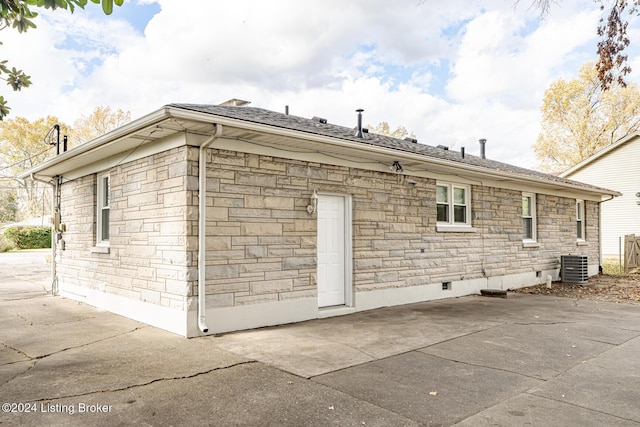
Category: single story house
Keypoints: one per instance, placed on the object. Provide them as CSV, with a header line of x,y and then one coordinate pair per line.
x,y
615,167
300,219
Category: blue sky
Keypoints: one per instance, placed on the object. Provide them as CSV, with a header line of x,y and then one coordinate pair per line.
x,y
450,72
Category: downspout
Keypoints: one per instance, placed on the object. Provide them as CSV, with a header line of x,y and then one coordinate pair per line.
x,y
55,226
600,267
202,227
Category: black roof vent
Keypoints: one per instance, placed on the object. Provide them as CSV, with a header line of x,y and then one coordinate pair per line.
x,y
409,139
443,147
359,129
319,120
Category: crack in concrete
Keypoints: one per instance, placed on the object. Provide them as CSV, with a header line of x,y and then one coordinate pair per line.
x,y
89,343
22,317
156,380
21,296
542,323
615,344
580,406
69,321
17,350
37,358
31,366
353,348
487,367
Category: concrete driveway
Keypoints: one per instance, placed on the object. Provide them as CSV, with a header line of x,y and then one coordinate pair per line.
x,y
522,361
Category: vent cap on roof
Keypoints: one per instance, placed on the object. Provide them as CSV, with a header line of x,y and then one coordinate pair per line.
x,y
442,147
409,139
319,120
235,102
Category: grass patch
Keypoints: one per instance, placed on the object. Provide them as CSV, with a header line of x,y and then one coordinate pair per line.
x,y
611,266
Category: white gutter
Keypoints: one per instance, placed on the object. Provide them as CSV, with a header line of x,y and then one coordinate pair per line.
x,y
110,137
55,226
170,112
388,152
202,228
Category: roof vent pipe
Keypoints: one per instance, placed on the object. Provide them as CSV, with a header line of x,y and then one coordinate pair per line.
x,y
482,141
359,133
462,152
286,110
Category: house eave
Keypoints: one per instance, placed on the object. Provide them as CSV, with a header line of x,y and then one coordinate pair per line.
x,y
140,131
64,162
603,152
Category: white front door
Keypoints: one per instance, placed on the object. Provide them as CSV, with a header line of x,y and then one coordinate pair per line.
x,y
331,251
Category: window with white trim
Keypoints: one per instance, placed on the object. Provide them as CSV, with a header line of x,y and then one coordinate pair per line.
x,y
529,217
102,209
580,222
453,205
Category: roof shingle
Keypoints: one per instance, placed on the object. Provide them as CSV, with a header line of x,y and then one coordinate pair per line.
x,y
291,122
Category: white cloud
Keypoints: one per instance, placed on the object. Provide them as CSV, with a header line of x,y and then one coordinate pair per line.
x,y
451,72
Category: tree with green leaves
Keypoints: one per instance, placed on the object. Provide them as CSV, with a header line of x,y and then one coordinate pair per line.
x,y
579,118
16,14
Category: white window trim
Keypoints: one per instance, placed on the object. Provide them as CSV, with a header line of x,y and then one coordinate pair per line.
x,y
452,226
533,241
580,208
100,197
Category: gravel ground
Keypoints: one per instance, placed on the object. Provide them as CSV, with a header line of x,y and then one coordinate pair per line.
x,y
604,287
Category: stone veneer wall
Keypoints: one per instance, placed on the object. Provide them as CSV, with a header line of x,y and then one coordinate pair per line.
x,y
148,257
261,240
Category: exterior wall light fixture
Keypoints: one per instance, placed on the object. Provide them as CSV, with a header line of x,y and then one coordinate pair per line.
x,y
313,203
396,167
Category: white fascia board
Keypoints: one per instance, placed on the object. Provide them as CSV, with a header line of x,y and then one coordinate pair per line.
x,y
456,168
168,112
126,130
601,153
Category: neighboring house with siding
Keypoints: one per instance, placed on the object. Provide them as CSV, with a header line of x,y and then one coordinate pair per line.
x,y
615,167
302,219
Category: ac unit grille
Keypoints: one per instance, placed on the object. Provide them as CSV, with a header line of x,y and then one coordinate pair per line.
x,y
574,269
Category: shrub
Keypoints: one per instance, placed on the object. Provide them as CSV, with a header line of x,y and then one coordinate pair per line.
x,y
29,237
5,244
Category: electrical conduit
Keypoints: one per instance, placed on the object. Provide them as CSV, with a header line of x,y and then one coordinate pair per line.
x,y
55,227
202,228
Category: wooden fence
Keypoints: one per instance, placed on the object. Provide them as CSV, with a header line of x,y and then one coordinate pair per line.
x,y
631,253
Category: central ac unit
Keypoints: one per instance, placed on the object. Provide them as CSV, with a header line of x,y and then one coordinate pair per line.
x,y
574,269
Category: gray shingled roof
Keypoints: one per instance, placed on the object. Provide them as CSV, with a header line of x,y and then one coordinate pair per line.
x,y
285,121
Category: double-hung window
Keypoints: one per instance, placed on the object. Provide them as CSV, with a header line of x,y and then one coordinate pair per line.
x,y
529,217
453,204
580,220
102,209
